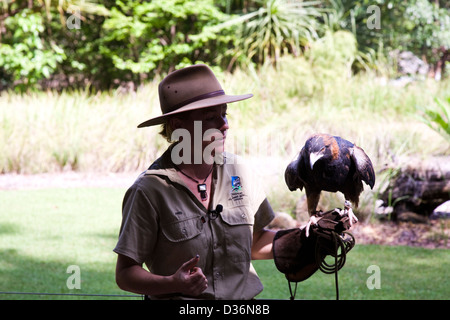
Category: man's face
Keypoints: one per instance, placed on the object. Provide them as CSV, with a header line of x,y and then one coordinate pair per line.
x,y
214,124
207,129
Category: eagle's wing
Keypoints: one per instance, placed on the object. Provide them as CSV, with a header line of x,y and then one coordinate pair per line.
x,y
363,165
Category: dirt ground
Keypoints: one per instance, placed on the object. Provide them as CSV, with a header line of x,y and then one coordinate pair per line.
x,y
434,234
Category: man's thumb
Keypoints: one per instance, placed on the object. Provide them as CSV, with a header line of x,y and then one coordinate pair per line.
x,y
188,265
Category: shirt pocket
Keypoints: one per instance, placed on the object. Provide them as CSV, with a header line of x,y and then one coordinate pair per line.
x,y
182,230
239,215
238,223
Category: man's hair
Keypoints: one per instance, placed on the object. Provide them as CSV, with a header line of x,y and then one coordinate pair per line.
x,y
166,128
166,131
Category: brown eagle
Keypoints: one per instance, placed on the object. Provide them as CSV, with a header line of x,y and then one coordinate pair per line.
x,y
330,163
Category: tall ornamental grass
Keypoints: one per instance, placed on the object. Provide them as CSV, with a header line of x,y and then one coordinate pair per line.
x,y
52,132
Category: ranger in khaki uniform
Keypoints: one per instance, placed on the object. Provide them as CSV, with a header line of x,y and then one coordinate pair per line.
x,y
195,223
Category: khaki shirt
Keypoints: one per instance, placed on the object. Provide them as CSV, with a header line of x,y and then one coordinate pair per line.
x,y
165,225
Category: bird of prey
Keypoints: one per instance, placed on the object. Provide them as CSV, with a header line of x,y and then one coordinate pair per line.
x,y
330,163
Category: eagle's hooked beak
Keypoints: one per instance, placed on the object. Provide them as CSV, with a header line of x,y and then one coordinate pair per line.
x,y
290,176
313,157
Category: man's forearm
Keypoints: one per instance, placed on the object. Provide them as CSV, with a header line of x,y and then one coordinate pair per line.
x,y
262,244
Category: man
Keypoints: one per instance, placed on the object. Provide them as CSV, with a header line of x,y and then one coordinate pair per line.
x,y
196,217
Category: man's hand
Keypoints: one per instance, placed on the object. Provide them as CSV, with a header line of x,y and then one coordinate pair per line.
x,y
190,279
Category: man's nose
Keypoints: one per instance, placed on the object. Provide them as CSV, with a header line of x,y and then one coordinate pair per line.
x,y
223,124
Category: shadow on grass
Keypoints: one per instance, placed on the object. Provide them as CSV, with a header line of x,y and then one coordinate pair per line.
x,y
21,275
9,228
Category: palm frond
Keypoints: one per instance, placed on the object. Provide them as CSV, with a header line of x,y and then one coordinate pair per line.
x,y
276,27
437,117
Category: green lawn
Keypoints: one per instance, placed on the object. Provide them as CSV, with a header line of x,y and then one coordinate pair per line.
x,y
43,232
405,273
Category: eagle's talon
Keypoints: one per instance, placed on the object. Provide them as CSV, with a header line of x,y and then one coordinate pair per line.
x,y
312,220
349,212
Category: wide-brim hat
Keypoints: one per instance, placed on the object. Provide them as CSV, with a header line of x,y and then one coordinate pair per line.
x,y
187,89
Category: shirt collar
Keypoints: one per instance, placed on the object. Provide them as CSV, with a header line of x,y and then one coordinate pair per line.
x,y
164,166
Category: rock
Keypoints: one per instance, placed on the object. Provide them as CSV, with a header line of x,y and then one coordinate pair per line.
x,y
282,220
301,210
442,211
410,64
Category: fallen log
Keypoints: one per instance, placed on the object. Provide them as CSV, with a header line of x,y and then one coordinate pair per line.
x,y
418,187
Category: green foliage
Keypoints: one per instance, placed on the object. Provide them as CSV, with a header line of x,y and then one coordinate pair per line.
x,y
420,26
116,42
428,29
47,47
153,37
275,28
333,55
438,117
25,55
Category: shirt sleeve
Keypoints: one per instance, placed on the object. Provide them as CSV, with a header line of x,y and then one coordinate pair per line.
x,y
264,215
260,205
139,228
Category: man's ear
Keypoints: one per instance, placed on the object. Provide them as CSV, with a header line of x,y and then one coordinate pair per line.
x,y
175,123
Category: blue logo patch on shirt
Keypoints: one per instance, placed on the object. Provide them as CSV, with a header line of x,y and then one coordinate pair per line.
x,y
235,184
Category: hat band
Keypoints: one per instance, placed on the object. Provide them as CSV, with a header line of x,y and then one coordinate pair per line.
x,y
197,98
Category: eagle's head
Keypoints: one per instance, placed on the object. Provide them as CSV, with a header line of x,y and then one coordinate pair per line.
x,y
322,146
